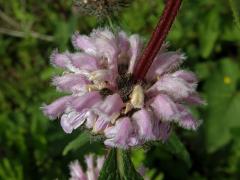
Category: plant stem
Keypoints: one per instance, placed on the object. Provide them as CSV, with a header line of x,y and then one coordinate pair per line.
x,y
8,19
159,35
21,34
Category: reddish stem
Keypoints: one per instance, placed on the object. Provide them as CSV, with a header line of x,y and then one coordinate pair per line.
x,y
157,39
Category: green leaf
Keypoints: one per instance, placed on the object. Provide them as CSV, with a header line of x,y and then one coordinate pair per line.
x,y
151,175
137,156
110,167
118,166
202,70
64,30
176,147
209,32
81,140
234,5
129,171
10,170
223,104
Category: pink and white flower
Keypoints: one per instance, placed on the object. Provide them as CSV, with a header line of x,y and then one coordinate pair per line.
x,y
104,98
93,168
94,165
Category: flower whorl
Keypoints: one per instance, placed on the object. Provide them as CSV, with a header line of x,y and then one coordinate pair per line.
x,y
93,168
101,8
104,98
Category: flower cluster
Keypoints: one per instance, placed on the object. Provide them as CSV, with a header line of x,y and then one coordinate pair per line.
x,y
94,166
104,98
101,8
92,172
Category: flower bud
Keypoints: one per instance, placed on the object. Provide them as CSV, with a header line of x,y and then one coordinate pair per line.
x,y
137,97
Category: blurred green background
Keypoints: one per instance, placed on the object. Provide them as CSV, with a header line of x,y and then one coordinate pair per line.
x,y
32,147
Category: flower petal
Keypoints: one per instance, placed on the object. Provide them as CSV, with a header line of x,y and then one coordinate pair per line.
x,y
111,104
56,108
161,130
59,59
72,120
86,101
91,118
194,99
89,161
135,50
123,42
186,119
83,42
91,172
100,162
164,63
175,87
68,81
84,61
188,76
102,75
164,108
143,120
119,134
101,123
76,171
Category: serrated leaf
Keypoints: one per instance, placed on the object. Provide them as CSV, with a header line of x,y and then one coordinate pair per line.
x,y
81,140
176,147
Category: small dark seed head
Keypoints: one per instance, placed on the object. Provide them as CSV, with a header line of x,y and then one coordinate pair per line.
x,y
101,8
125,86
105,92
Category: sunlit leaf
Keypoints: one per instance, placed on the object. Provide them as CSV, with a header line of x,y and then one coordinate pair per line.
x,y
234,4
81,140
223,104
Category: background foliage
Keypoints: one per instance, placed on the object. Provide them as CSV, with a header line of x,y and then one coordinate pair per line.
x,y
32,147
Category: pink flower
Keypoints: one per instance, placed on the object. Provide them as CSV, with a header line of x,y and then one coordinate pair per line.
x,y
94,165
104,98
177,88
186,120
71,82
76,171
56,108
143,122
119,135
164,108
165,62
85,101
92,171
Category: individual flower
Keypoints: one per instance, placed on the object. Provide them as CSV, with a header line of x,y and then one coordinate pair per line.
x,y
104,98
92,171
